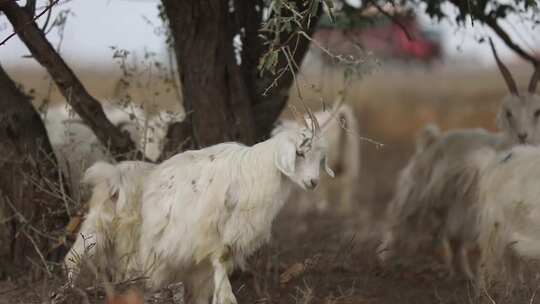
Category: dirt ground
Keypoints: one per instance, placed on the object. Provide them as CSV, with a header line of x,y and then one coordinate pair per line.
x,y
327,257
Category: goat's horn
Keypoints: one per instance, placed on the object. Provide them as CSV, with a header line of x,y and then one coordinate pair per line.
x,y
504,71
534,79
314,122
299,119
335,108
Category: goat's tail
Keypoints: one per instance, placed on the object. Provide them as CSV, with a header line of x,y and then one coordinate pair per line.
x,y
105,179
427,136
120,183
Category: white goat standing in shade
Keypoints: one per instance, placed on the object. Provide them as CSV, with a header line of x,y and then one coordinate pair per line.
x,y
204,212
76,147
340,132
109,236
442,200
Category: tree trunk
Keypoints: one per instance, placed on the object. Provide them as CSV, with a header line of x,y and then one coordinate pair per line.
x,y
223,99
214,92
30,204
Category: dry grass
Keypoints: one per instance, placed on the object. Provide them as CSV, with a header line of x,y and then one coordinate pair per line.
x,y
329,258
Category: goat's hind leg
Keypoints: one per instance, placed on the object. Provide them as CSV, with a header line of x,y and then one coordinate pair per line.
x,y
385,249
447,255
222,263
464,260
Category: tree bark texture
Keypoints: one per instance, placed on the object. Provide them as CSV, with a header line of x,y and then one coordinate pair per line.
x,y
214,92
30,212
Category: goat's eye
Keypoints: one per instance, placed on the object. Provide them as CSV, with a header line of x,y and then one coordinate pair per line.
x,y
508,114
537,114
300,154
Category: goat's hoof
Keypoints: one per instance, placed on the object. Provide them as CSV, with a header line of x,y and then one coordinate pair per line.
x,y
226,299
230,301
383,256
450,275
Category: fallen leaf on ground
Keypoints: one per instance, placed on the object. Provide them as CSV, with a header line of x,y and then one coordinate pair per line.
x,y
130,297
292,272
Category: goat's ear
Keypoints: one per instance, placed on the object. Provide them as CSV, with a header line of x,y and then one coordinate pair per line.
x,y
327,168
427,136
285,158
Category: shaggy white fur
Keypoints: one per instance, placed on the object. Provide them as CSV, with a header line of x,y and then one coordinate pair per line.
x,y
204,212
109,236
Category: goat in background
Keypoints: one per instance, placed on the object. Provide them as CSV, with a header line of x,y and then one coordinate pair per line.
x,y
444,198
76,147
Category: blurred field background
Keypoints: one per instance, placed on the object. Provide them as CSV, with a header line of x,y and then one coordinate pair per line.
x,y
392,101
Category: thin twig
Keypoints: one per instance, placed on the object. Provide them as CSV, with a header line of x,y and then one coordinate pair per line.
x,y
36,248
15,32
342,59
47,19
394,20
494,25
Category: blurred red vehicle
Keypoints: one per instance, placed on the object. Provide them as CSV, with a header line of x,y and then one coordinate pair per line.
x,y
402,38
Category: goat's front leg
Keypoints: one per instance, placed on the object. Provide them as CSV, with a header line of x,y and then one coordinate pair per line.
x,y
465,249
222,262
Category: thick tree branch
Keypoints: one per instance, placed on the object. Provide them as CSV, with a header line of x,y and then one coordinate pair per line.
x,y
494,25
29,183
478,12
394,20
30,9
76,95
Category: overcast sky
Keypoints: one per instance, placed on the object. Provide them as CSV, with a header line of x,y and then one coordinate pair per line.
x,y
95,25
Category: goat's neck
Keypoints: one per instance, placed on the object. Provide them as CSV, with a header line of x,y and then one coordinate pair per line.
x,y
263,193
263,182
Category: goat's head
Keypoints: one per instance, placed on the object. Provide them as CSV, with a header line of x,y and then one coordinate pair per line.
x,y
302,154
519,114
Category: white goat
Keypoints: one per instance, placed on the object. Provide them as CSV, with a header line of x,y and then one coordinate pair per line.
x,y
435,193
446,194
108,239
76,147
399,227
204,212
509,208
340,132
